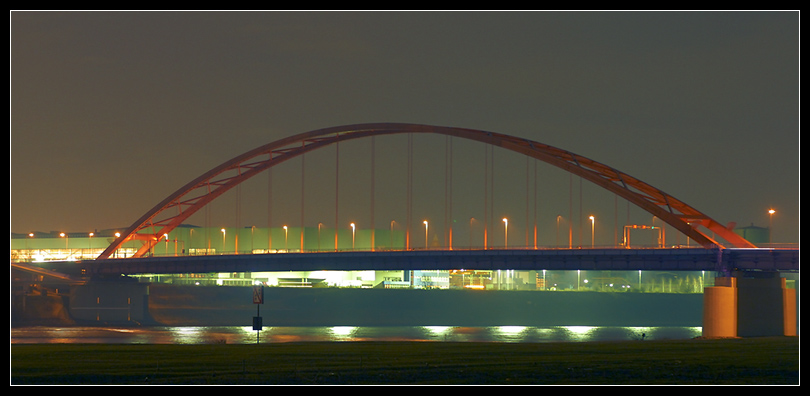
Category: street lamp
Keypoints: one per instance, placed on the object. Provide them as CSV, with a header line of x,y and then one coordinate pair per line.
x,y
285,238
353,231
223,240
505,232
426,233
166,236
319,236
391,235
117,235
770,224
63,235
592,223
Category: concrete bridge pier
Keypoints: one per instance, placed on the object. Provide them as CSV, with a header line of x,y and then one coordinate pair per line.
x,y
749,307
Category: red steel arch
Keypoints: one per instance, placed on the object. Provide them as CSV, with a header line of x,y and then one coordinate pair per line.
x,y
177,207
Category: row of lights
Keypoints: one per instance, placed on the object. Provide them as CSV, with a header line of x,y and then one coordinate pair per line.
x,y
771,212
354,230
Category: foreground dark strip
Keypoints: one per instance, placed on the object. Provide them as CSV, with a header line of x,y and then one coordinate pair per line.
x,y
772,361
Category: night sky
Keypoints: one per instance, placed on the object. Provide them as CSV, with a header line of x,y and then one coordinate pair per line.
x,y
112,111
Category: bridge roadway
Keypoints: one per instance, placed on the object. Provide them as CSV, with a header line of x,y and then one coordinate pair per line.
x,y
683,259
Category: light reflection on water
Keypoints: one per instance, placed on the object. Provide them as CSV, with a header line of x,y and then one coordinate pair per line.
x,y
246,334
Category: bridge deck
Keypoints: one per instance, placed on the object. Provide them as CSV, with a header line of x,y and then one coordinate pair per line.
x,y
786,260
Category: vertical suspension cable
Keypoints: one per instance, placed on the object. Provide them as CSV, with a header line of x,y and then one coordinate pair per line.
x,y
373,168
208,224
527,202
628,219
615,220
303,182
535,204
450,196
446,169
270,207
408,192
337,184
492,188
570,210
238,216
581,219
486,192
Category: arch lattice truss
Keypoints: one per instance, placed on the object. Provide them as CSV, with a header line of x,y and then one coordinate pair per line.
x,y
177,207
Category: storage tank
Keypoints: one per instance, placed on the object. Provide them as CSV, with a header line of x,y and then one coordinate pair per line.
x,y
754,234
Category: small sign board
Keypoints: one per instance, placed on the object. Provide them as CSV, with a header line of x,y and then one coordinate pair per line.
x,y
258,294
257,323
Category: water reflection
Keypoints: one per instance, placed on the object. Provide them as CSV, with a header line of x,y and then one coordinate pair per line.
x,y
246,334
579,333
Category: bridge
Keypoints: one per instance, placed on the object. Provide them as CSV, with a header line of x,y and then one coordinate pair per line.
x,y
718,247
170,213
724,261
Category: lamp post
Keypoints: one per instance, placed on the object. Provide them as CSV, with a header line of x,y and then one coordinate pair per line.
x,y
63,235
117,235
770,224
505,233
252,244
223,240
285,238
319,236
391,235
557,233
353,231
592,224
426,233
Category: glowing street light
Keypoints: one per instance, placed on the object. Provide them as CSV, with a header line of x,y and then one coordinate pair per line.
x,y
426,233
285,237
770,224
223,240
592,224
505,232
353,231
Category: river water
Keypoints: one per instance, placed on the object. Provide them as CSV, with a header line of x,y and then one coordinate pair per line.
x,y
246,335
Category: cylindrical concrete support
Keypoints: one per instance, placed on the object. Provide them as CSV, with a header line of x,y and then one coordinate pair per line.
x,y
789,306
720,309
749,307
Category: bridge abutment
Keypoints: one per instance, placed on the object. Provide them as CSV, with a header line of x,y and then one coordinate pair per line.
x,y
749,307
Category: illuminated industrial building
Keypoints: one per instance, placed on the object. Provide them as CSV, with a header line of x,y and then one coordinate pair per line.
x,y
192,240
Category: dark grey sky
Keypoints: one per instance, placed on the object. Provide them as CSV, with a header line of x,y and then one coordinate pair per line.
x,y
113,111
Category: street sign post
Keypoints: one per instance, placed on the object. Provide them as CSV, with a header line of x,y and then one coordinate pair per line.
x,y
258,299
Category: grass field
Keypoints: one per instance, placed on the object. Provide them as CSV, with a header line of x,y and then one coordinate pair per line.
x,y
767,361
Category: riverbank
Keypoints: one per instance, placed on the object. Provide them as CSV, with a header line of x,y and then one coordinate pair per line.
x,y
762,361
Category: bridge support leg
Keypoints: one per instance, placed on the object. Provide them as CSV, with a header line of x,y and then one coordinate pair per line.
x,y
749,307
720,309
